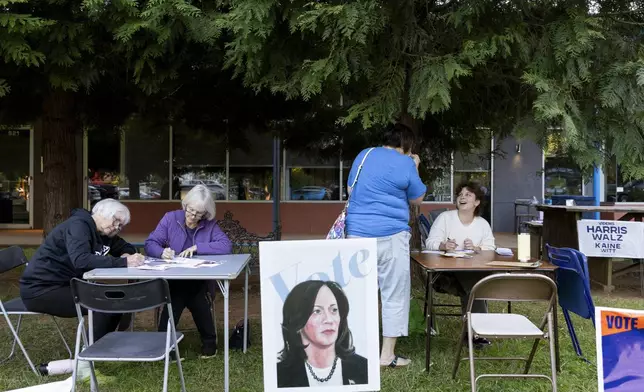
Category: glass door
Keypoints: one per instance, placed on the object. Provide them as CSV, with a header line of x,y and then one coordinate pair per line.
x,y
16,171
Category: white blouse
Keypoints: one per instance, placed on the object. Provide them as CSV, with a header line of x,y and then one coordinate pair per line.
x,y
448,226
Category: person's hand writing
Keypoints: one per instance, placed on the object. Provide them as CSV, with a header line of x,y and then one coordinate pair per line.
x,y
468,244
168,253
449,245
135,260
188,252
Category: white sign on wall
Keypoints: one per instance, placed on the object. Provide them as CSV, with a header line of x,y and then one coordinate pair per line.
x,y
608,238
320,324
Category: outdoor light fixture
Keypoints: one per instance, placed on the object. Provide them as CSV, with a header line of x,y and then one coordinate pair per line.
x,y
518,148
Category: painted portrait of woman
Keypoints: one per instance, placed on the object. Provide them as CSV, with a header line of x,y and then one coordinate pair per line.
x,y
318,345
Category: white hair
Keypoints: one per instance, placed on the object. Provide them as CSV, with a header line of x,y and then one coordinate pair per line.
x,y
107,208
200,199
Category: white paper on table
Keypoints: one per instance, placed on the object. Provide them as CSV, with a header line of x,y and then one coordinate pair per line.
x,y
161,267
434,252
458,254
211,263
58,386
504,251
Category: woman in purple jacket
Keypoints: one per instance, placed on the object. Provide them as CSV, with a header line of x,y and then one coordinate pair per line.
x,y
191,230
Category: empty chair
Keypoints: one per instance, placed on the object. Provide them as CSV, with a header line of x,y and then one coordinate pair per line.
x,y
11,258
514,288
574,288
124,346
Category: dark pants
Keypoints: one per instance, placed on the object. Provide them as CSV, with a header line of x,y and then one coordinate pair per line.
x,y
191,294
60,303
467,280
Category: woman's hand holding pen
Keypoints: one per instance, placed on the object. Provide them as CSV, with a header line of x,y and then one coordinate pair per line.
x,y
450,244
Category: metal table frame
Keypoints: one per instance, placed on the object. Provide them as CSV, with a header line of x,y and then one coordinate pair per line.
x,y
431,275
233,266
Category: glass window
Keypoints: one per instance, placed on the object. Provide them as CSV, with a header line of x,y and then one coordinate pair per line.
x,y
199,157
103,166
619,188
562,177
346,169
145,160
251,166
478,160
308,179
439,185
14,176
475,166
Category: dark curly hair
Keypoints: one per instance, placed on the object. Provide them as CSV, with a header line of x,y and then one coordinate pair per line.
x,y
476,189
296,311
399,136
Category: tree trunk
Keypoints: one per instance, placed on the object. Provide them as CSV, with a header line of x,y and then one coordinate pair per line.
x,y
59,158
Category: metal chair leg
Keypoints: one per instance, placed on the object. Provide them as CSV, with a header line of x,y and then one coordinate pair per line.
x,y
553,358
13,345
457,360
573,334
470,346
17,340
62,337
531,356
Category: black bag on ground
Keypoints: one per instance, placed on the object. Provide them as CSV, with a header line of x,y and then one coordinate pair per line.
x,y
237,336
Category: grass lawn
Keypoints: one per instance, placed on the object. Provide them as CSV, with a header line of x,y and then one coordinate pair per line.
x,y
246,369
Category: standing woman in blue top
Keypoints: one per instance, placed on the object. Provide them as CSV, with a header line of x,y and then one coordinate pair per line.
x,y
388,183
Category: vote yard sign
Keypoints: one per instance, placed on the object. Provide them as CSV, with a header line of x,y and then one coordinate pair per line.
x,y
607,238
620,349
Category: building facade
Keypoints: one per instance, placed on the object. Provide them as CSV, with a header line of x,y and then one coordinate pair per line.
x,y
150,170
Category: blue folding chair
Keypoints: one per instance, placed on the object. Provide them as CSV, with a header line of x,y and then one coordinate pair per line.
x,y
433,214
573,288
425,226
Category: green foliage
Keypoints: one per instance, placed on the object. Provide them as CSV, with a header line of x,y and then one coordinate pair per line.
x,y
534,68
14,47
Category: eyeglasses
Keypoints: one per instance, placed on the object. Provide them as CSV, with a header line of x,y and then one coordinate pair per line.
x,y
196,214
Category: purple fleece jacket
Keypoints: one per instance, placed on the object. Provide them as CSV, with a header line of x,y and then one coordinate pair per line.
x,y
171,232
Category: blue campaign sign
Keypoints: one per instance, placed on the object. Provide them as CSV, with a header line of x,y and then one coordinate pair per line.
x,y
620,349
607,238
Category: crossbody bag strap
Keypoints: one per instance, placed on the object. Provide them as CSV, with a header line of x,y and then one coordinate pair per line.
x,y
355,180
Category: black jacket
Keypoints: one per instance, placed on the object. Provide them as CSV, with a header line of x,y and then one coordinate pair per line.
x,y
355,370
71,249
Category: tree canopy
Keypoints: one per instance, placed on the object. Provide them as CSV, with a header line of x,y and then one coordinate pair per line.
x,y
451,69
532,67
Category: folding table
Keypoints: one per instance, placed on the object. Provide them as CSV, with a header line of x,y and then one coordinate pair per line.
x,y
230,268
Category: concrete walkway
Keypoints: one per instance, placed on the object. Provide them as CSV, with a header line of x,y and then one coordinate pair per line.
x,y
33,238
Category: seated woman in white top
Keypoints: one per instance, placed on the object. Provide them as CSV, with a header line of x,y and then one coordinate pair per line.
x,y
464,229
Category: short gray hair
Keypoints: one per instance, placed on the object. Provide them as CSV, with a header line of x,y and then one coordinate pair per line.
x,y
200,198
107,208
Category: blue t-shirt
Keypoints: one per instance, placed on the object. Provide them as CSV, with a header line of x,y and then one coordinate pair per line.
x,y
379,202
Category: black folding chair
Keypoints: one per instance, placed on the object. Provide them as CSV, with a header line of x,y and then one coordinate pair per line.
x,y
126,346
11,258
